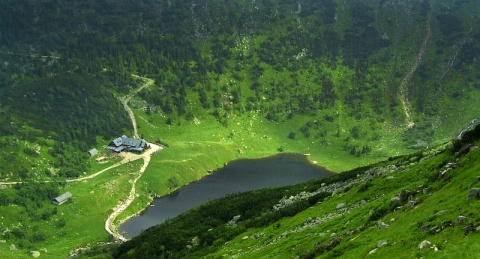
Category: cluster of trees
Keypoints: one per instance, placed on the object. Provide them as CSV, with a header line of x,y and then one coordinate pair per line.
x,y
191,49
35,199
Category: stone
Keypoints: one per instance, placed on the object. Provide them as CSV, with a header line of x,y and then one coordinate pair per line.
x,y
34,254
474,193
426,190
412,203
424,244
382,243
395,198
341,205
460,220
12,247
373,251
245,238
382,225
441,212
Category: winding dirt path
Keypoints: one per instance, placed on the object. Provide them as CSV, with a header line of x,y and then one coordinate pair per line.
x,y
127,158
109,226
127,98
404,85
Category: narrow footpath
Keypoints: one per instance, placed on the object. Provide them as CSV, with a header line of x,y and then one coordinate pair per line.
x,y
127,158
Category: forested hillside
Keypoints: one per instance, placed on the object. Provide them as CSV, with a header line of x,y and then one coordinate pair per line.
x,y
324,59
346,82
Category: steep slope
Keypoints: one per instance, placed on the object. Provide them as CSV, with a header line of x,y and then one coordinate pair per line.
x,y
419,205
57,118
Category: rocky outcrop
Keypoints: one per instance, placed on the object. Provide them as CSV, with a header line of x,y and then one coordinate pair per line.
x,y
474,193
233,222
424,244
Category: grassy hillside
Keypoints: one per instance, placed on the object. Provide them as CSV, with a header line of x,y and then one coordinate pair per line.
x,y
384,210
350,83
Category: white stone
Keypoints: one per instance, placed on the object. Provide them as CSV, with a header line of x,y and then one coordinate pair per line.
x,y
424,244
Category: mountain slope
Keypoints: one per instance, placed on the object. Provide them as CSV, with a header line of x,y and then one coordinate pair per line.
x,y
388,209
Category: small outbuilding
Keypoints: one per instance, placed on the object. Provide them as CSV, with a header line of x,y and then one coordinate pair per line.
x,y
62,198
93,152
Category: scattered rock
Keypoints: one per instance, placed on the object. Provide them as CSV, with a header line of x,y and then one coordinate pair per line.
x,y
460,220
424,244
233,223
258,235
441,212
373,251
382,243
382,225
395,198
34,254
412,203
341,205
474,193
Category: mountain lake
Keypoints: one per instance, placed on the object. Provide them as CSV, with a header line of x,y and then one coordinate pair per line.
x,y
237,176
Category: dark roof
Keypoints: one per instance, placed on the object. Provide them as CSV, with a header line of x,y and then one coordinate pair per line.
x,y
129,144
118,141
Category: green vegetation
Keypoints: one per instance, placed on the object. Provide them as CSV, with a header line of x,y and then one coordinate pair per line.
x,y
338,80
423,196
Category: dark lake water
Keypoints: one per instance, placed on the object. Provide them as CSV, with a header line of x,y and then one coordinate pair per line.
x,y
237,176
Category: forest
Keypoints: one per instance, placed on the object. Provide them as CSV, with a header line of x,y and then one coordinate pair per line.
x,y
354,80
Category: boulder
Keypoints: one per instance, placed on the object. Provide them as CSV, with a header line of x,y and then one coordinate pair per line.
x,y
341,205
373,251
424,244
474,193
382,225
441,212
12,247
382,243
34,254
460,220
395,198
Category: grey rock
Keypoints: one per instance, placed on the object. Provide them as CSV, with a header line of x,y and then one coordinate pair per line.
x,y
424,244
412,203
382,243
460,220
258,235
395,198
441,212
474,193
426,190
233,223
382,225
341,205
373,251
